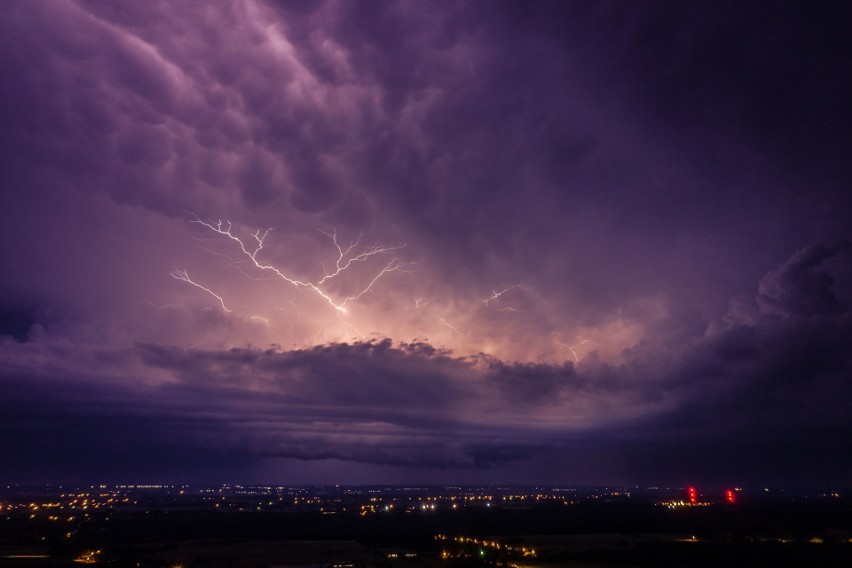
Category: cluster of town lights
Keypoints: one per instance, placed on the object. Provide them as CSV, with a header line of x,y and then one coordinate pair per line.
x,y
484,544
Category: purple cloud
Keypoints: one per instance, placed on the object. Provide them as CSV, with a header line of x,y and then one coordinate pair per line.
x,y
572,194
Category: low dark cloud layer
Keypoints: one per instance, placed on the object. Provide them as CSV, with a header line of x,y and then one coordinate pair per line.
x,y
599,242
748,401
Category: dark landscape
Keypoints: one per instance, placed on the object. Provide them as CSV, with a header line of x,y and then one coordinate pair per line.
x,y
344,283
244,526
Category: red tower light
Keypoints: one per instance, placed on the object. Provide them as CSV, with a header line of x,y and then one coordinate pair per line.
x,y
693,495
730,497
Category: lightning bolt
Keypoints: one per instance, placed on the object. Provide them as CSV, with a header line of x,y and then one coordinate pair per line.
x,y
183,276
448,324
343,263
394,265
345,259
573,348
496,295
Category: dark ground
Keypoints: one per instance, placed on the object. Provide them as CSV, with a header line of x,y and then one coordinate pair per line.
x,y
618,533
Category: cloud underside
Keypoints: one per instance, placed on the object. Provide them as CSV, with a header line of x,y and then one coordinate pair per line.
x,y
746,393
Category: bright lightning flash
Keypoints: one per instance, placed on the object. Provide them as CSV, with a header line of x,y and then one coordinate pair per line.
x,y
183,276
448,324
495,295
345,259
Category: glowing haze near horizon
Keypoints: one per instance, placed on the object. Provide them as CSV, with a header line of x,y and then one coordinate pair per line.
x,y
485,242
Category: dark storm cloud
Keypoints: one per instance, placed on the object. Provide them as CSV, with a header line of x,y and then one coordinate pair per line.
x,y
16,321
800,288
752,397
100,432
619,171
514,131
405,405
767,396
621,126
770,403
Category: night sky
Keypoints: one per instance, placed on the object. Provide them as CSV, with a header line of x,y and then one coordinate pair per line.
x,y
508,242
